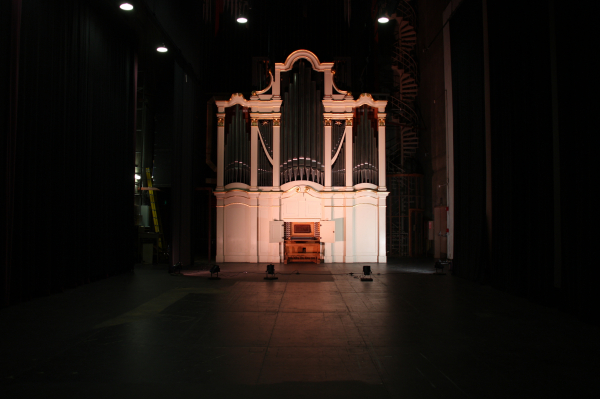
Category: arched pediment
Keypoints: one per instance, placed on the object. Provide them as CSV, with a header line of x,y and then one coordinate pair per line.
x,y
307,55
367,99
236,98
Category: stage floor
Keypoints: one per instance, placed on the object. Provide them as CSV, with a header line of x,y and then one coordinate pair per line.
x,y
317,331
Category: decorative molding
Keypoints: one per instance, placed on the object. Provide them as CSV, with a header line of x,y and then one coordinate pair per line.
x,y
263,91
254,122
276,122
381,121
256,105
367,99
327,122
344,92
349,122
307,55
221,122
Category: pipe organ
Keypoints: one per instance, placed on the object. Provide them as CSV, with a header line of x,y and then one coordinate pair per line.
x,y
301,153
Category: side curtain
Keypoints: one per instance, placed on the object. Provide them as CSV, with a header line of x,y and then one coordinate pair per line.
x,y
71,151
466,35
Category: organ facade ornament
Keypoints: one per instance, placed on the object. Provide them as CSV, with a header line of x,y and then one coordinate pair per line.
x,y
296,166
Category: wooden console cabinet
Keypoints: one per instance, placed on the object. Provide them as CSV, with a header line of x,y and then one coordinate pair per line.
x,y
302,251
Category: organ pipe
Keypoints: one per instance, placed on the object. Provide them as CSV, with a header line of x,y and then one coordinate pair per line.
x,y
338,169
302,128
365,155
265,169
237,145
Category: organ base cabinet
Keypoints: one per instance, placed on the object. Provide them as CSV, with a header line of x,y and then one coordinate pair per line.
x,y
302,251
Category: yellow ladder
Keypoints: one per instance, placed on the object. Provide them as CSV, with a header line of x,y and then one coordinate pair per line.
x,y
156,220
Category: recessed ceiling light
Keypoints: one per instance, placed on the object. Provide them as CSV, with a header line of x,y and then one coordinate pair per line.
x,y
242,20
162,49
383,20
126,7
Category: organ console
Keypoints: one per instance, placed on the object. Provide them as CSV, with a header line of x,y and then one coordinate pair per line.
x,y
302,243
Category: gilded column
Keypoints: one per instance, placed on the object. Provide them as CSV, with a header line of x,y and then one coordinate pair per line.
x,y
220,150
348,132
327,147
381,149
276,151
254,154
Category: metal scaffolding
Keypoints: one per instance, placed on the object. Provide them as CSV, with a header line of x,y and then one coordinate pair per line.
x,y
405,225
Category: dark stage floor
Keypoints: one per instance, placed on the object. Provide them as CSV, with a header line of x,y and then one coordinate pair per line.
x,y
321,333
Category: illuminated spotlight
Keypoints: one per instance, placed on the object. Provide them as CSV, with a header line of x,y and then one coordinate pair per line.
x,y
162,48
126,7
366,274
383,19
242,20
215,269
439,266
271,271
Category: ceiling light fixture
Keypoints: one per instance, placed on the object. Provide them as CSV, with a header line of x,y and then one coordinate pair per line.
x,y
242,17
382,15
126,7
162,48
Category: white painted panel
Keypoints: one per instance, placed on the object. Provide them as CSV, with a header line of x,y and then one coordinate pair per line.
x,y
328,231
236,230
313,209
338,215
366,231
290,209
275,231
339,229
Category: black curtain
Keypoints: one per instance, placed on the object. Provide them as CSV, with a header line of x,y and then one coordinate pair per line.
x,y
466,36
521,103
184,130
541,64
72,177
577,108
